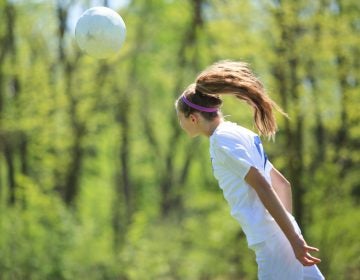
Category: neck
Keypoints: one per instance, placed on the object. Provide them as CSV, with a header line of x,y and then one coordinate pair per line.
x,y
209,127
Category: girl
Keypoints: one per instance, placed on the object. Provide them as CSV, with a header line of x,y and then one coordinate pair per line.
x,y
258,194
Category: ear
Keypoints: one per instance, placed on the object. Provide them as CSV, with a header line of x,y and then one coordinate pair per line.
x,y
194,118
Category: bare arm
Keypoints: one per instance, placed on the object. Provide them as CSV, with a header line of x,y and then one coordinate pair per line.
x,y
273,204
282,188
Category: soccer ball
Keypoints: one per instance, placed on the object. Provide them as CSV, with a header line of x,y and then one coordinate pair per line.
x,y
100,32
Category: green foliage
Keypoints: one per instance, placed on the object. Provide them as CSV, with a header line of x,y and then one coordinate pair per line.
x,y
98,182
192,248
35,235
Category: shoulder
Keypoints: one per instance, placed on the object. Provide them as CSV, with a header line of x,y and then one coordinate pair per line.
x,y
231,145
229,133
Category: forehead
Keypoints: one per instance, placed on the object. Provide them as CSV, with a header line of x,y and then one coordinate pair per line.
x,y
179,114
181,117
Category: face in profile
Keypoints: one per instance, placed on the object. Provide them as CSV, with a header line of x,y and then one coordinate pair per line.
x,y
188,124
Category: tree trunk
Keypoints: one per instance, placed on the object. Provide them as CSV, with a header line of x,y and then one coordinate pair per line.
x,y
70,187
124,193
171,197
9,158
8,47
286,75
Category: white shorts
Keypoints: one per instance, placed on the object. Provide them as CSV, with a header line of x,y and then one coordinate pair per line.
x,y
276,261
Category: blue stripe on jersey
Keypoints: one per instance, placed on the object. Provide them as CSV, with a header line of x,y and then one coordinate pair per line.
x,y
258,144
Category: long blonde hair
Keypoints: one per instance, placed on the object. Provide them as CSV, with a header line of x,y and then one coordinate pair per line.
x,y
237,79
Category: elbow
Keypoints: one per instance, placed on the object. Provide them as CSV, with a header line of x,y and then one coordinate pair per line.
x,y
287,184
279,181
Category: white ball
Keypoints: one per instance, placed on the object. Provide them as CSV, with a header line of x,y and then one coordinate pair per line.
x,y
100,32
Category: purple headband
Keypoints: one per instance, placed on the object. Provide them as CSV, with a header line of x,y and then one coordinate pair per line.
x,y
198,107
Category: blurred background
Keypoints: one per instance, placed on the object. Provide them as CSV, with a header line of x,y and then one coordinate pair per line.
x,y
97,180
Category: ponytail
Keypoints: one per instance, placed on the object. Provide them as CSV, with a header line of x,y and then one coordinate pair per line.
x,y
236,78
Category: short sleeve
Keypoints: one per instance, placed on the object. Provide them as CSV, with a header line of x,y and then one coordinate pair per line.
x,y
234,156
268,168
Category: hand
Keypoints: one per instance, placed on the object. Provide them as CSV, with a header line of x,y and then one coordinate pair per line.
x,y
302,251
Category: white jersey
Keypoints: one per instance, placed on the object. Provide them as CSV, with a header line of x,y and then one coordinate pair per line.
x,y
233,150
